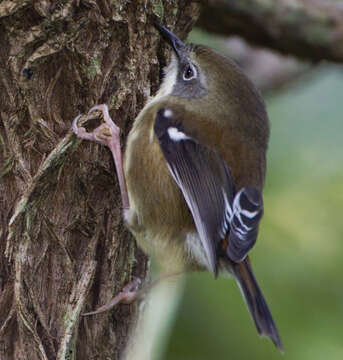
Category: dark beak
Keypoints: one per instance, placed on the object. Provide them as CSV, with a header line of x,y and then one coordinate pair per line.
x,y
173,40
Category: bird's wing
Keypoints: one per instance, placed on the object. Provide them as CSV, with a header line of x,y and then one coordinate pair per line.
x,y
247,211
206,184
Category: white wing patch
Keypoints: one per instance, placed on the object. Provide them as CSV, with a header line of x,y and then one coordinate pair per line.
x,y
167,113
242,230
237,207
176,135
233,217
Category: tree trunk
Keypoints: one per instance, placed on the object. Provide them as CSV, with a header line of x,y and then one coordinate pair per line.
x,y
63,246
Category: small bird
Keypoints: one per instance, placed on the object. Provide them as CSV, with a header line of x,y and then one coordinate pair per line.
x,y
193,172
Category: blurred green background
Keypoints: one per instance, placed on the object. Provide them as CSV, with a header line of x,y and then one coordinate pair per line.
x,y
298,256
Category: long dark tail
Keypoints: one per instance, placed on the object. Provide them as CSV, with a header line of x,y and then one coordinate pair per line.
x,y
256,303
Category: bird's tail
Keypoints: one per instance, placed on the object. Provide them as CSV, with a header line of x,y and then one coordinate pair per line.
x,y
255,300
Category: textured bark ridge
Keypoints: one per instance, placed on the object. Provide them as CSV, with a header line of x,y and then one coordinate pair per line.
x,y
63,246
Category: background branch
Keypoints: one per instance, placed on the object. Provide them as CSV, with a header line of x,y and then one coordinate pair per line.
x,y
310,29
269,71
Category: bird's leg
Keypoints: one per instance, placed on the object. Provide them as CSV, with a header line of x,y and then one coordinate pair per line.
x,y
128,295
107,134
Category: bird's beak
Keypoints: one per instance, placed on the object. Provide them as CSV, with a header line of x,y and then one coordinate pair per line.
x,y
174,41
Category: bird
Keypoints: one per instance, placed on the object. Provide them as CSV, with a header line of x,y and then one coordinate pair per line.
x,y
193,172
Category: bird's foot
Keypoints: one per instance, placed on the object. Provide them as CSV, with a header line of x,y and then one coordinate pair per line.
x,y
128,295
107,134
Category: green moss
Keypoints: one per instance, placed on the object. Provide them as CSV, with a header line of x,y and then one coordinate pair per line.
x,y
158,9
93,69
66,318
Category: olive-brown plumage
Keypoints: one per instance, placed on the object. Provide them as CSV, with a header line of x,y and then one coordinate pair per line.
x,y
194,170
229,118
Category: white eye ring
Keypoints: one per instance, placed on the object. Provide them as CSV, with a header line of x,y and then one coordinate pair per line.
x,y
189,73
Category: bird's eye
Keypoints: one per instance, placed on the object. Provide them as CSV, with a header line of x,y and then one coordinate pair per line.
x,y
189,73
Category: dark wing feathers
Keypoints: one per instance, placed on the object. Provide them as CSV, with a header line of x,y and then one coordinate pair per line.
x,y
207,186
247,210
202,177
218,211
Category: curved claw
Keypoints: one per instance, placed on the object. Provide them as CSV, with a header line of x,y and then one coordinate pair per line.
x,y
102,107
74,124
81,131
107,118
102,133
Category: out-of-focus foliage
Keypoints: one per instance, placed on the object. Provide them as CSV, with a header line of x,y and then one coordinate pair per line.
x,y
298,256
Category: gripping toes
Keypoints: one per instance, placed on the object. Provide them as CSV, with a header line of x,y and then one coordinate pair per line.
x,y
105,134
115,130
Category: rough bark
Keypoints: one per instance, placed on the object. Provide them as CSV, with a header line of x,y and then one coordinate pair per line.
x,y
63,246
310,29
